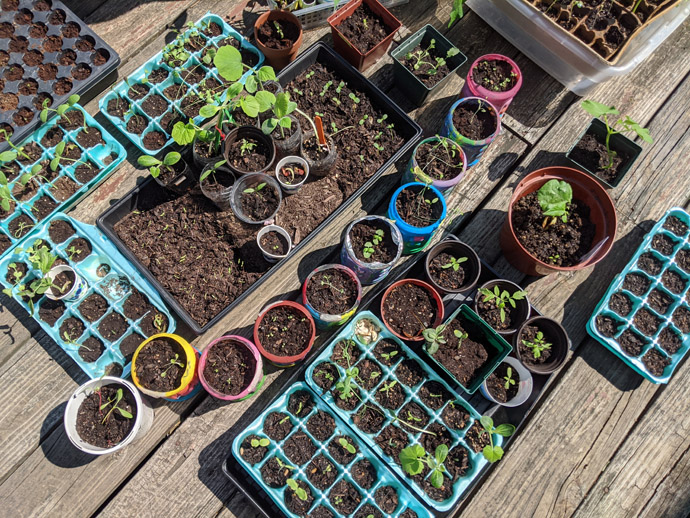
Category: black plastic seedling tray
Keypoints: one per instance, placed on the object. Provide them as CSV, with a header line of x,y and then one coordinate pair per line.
x,y
74,59
150,190
255,494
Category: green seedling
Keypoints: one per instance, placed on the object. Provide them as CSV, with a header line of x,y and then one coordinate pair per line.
x,y
326,281
284,419
283,465
369,246
444,151
264,442
211,171
423,57
299,492
278,29
73,251
115,402
354,98
257,189
14,152
59,151
31,175
173,361
345,386
387,387
460,335
247,147
389,356
555,197
501,298
538,345
509,378
282,108
6,199
60,110
637,4
414,457
457,12
434,338
627,125
366,24
159,322
454,263
155,165
347,445
41,259
71,341
15,274
492,452
325,88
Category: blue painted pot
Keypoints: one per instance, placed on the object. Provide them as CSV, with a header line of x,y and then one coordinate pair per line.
x,y
474,149
415,238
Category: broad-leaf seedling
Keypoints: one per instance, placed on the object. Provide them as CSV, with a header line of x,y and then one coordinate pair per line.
x,y
155,165
299,492
501,298
454,263
508,378
369,246
414,457
60,110
263,442
492,452
423,57
538,345
347,446
434,338
555,197
115,402
457,11
6,199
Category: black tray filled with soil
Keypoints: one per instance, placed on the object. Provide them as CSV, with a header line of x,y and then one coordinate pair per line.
x,y
353,179
47,54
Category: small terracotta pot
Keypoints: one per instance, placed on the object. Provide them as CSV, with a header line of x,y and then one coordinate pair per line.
x,y
284,361
559,345
586,189
518,314
255,382
426,286
278,59
455,247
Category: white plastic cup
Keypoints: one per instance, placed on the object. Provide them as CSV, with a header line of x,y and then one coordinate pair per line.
x,y
79,286
294,187
524,387
273,258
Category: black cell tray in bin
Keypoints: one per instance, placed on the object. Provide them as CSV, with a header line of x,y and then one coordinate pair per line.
x,y
149,189
19,34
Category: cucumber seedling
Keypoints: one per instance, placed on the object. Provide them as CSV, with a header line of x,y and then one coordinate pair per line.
x,y
413,458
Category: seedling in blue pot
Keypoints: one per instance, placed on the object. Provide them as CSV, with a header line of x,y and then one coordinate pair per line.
x,y
492,452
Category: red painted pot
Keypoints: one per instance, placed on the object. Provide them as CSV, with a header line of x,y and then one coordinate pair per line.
x,y
585,189
278,59
501,100
284,361
426,286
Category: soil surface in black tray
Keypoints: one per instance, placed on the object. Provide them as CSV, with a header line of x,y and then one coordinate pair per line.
x,y
476,437
129,345
277,425
252,454
332,292
325,375
230,367
386,498
51,310
340,451
673,282
655,362
444,272
410,309
527,354
91,349
455,416
663,244
274,243
419,207
275,473
593,155
557,243
300,403
631,343
369,418
284,331
372,242
390,395
650,264
248,154
607,326
681,319
669,341
414,415
388,352
676,226
160,365
278,34
344,497
422,62
321,472
621,303
113,326
474,123
93,307
364,29
495,75
363,473
636,284
321,426
296,504
299,448
260,202
370,374
106,426
392,440
503,384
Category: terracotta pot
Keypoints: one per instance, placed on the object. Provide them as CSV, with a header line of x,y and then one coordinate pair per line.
x,y
455,247
278,59
284,361
518,314
501,100
559,345
426,286
585,189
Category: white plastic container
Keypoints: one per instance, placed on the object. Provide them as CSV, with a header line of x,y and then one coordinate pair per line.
x,y
563,56
524,387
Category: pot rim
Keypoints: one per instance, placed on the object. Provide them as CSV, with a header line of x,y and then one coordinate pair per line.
x,y
258,367
187,376
497,117
284,360
457,242
437,298
483,92
376,265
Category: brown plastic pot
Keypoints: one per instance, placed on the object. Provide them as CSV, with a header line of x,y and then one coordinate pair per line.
x,y
346,49
519,314
278,59
456,248
585,189
559,345
437,298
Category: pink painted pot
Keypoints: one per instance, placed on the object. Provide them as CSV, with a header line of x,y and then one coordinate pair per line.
x,y
501,100
258,364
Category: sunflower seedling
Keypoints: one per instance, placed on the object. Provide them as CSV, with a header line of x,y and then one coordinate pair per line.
x,y
256,443
115,402
501,298
492,452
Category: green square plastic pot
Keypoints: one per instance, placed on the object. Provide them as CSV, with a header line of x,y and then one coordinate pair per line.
x,y
618,142
494,340
416,91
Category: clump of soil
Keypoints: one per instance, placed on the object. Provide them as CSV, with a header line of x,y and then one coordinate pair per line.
x,y
332,292
669,340
392,440
387,499
636,284
364,474
230,367
161,365
631,342
621,304
659,301
364,29
495,75
154,140
278,34
372,242
673,282
409,309
503,383
418,206
455,416
663,244
106,427
277,425
344,497
51,311
655,362
285,331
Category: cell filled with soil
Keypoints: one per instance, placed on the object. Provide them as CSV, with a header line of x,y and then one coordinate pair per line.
x,y
91,349
664,244
343,449
369,418
370,374
631,343
297,504
414,415
325,375
300,403
253,453
299,448
275,472
392,440
650,264
321,426
363,473
636,284
655,362
669,340
321,472
477,438
676,226
345,353
681,319
386,498
344,497
277,425
105,431
129,344
409,373
388,352
673,282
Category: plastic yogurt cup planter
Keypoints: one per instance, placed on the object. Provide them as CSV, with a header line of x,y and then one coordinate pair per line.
x,y
421,392
371,272
545,354
293,186
188,384
644,317
524,385
474,149
249,132
442,274
516,314
326,320
218,186
142,418
313,439
211,354
386,314
77,289
500,99
415,172
271,255
285,360
322,166
253,184
416,238
586,189
278,58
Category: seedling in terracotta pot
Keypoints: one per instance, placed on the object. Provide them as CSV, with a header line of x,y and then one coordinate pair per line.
x,y
501,298
413,459
492,452
555,197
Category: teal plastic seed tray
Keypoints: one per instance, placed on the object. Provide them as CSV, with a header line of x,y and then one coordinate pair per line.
x,y
117,311
87,159
419,399
644,317
304,444
496,342
167,87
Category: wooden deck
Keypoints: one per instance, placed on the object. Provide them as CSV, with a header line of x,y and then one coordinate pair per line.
x,y
602,443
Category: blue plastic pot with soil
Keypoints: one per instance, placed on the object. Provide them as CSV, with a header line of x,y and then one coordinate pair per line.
x,y
174,252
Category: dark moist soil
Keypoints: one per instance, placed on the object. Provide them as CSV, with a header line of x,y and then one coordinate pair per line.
x,y
455,416
259,205
369,418
434,395
321,426
409,373
277,425
299,448
138,91
158,76
631,343
340,454
387,499
284,331
390,395
659,301
494,75
129,345
558,244
113,326
325,375
496,383
458,462
274,243
663,244
175,91
344,498
252,454
363,233
474,123
370,374
669,341
93,307
51,311
416,206
300,403
368,511
155,359
62,283
683,259
332,292
154,105
85,173
426,70
621,304
154,140
650,264
230,367
392,440
81,250
43,207
294,503
271,37
253,160
321,472
71,120
655,362
91,349
414,415
529,334
476,437
676,226
364,37
441,436
410,309
136,305
444,274
636,284
16,229
681,319
274,474
673,282
89,138
90,416
363,473
388,352
63,188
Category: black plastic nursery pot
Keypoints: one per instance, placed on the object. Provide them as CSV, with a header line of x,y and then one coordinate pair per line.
x,y
415,89
249,132
554,334
442,279
518,314
619,143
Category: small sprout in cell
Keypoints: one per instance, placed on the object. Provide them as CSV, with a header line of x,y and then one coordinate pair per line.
x,y
387,387
73,252
284,466
347,445
389,356
260,442
60,110
159,322
154,165
363,120
299,492
173,362
284,419
354,98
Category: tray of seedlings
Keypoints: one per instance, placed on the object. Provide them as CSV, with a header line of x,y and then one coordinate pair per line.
x,y
84,294
52,169
175,84
47,54
205,258
644,317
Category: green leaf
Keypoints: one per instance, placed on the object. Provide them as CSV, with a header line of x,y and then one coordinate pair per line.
x,y
457,11
234,90
266,74
73,99
492,454
285,122
122,411
44,116
36,169
250,106
228,61
155,171
62,109
148,161
410,459
251,84
596,109
54,163
208,111
269,125
282,103
452,52
8,156
183,134
172,158
505,429
441,453
60,148
266,100
486,422
554,197
5,204
436,479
